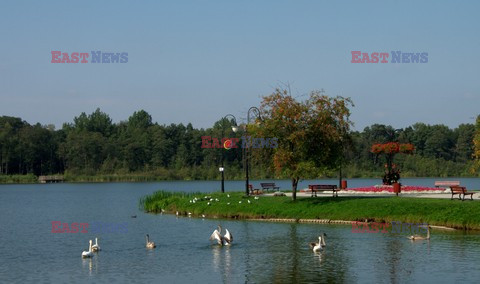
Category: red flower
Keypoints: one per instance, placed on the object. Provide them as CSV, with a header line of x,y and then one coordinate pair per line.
x,y
377,148
392,148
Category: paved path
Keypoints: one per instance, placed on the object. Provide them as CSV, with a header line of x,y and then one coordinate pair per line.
x,y
476,196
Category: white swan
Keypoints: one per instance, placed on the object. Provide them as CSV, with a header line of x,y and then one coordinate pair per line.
x,y
225,240
96,247
320,245
89,253
150,244
418,237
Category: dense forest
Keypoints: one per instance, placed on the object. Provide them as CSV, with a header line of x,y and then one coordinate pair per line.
x,y
93,146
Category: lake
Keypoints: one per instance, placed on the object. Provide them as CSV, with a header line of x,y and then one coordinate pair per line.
x,y
261,252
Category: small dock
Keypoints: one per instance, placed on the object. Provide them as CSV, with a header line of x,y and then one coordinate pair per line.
x,y
50,179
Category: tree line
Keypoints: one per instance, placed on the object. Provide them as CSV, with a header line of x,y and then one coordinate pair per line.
x,y
93,145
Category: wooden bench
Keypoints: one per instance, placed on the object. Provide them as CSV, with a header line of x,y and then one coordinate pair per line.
x,y
268,185
323,187
461,190
447,183
255,191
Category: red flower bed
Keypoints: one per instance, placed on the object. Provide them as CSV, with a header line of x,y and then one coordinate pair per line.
x,y
392,148
389,188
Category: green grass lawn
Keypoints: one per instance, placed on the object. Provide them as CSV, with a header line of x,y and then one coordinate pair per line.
x,y
441,212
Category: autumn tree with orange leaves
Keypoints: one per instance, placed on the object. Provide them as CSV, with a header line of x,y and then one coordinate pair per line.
x,y
476,145
310,133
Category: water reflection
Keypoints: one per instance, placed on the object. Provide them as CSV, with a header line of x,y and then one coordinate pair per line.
x,y
319,257
261,253
90,265
222,262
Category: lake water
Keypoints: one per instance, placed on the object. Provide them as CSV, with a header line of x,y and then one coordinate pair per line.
x,y
261,253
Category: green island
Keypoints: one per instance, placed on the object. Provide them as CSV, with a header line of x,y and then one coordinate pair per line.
x,y
440,212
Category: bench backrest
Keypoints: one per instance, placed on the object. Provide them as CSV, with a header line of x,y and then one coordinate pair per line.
x,y
458,189
267,184
322,186
447,183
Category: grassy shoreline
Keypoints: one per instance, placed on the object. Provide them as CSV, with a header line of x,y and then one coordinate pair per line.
x,y
440,212
18,179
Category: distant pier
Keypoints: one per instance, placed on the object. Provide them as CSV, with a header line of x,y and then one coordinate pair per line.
x,y
50,179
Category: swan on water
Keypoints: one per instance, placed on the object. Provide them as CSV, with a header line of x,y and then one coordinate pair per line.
x,y
320,245
96,247
150,244
225,240
418,237
89,253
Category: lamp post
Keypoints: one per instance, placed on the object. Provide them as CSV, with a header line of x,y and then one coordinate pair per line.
x,y
393,134
234,129
257,111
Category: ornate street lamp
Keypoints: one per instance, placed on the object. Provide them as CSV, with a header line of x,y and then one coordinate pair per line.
x,y
257,113
234,129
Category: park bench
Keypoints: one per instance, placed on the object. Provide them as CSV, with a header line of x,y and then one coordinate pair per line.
x,y
254,191
447,183
461,190
323,187
268,185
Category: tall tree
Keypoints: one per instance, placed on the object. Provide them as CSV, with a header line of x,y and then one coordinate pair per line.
x,y
463,147
309,133
476,143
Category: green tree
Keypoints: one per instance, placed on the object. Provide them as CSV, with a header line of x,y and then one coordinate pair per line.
x,y
464,142
476,143
9,142
309,132
440,143
137,141
37,150
83,151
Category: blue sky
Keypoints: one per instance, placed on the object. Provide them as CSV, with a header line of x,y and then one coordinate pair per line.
x,y
196,61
